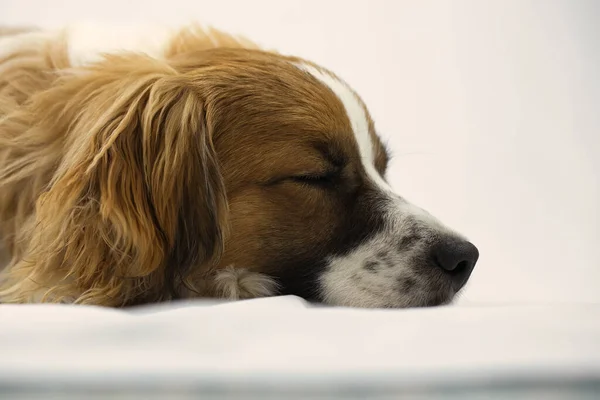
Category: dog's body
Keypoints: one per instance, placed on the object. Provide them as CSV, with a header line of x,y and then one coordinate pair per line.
x,y
191,164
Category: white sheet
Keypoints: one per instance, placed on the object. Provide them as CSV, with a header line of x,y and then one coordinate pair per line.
x,y
284,348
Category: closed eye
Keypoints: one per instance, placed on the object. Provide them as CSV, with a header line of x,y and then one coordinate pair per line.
x,y
314,179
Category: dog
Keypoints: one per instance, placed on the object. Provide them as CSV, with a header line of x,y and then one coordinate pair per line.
x,y
191,163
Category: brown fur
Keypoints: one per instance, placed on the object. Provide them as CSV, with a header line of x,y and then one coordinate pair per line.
x,y
134,179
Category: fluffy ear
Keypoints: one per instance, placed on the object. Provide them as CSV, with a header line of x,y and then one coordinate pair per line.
x,y
137,201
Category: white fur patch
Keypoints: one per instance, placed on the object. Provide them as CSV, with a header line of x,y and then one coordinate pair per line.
x,y
88,42
25,41
239,283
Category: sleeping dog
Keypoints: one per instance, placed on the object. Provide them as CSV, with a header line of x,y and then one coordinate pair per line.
x,y
190,163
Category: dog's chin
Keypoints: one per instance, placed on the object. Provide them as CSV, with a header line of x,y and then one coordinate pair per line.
x,y
415,299
410,287
426,300
420,300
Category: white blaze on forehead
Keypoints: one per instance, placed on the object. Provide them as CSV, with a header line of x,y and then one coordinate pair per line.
x,y
354,110
358,120
360,127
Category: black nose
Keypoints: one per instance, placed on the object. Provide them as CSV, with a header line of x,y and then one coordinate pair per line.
x,y
457,258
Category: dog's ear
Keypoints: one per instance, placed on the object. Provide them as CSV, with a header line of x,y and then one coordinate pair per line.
x,y
137,200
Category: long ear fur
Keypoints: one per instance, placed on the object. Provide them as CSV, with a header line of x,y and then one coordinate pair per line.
x,y
137,199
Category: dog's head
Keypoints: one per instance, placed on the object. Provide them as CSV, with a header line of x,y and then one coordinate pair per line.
x,y
303,169
243,159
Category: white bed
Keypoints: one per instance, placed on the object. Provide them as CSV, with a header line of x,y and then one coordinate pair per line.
x,y
284,348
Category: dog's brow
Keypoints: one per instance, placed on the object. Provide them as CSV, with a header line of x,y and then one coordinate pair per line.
x,y
331,153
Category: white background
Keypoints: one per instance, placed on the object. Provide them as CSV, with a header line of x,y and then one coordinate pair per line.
x,y
491,109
